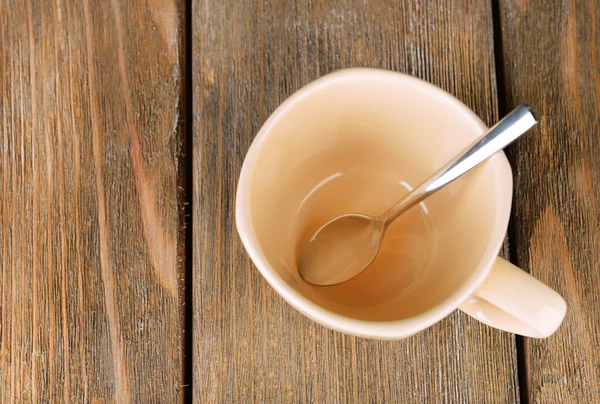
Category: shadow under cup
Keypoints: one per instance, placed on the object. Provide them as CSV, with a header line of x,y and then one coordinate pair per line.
x,y
357,144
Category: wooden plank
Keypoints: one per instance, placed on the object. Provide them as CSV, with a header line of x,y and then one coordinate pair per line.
x,y
551,54
249,346
90,210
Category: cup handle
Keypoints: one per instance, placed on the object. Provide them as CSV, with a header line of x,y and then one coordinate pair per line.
x,y
512,300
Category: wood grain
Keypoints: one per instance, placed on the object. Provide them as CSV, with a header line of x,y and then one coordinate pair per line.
x,y
551,53
90,212
249,346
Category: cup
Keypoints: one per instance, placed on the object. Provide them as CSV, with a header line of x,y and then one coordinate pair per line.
x,y
356,141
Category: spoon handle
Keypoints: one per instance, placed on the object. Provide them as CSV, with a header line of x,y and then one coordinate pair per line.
x,y
513,125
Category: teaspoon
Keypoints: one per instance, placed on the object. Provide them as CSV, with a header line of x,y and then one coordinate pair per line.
x,y
348,244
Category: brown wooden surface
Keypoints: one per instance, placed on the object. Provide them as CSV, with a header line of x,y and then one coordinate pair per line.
x,y
92,297
551,53
249,345
89,201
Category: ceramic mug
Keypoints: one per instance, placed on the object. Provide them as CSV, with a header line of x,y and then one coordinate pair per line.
x,y
355,141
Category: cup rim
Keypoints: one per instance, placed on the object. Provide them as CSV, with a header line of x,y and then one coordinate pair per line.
x,y
394,329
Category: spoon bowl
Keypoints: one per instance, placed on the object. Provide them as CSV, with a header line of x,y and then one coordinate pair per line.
x,y
341,249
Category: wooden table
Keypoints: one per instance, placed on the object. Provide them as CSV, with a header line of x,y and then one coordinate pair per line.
x,y
123,127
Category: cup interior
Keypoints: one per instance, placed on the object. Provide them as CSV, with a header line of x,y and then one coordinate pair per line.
x,y
356,141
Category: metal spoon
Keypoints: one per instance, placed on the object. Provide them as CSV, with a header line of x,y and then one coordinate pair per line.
x,y
347,245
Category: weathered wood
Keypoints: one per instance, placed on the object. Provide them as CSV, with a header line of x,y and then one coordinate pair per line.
x,y
89,204
551,53
249,346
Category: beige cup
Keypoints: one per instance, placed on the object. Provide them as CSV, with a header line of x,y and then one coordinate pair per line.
x,y
355,141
